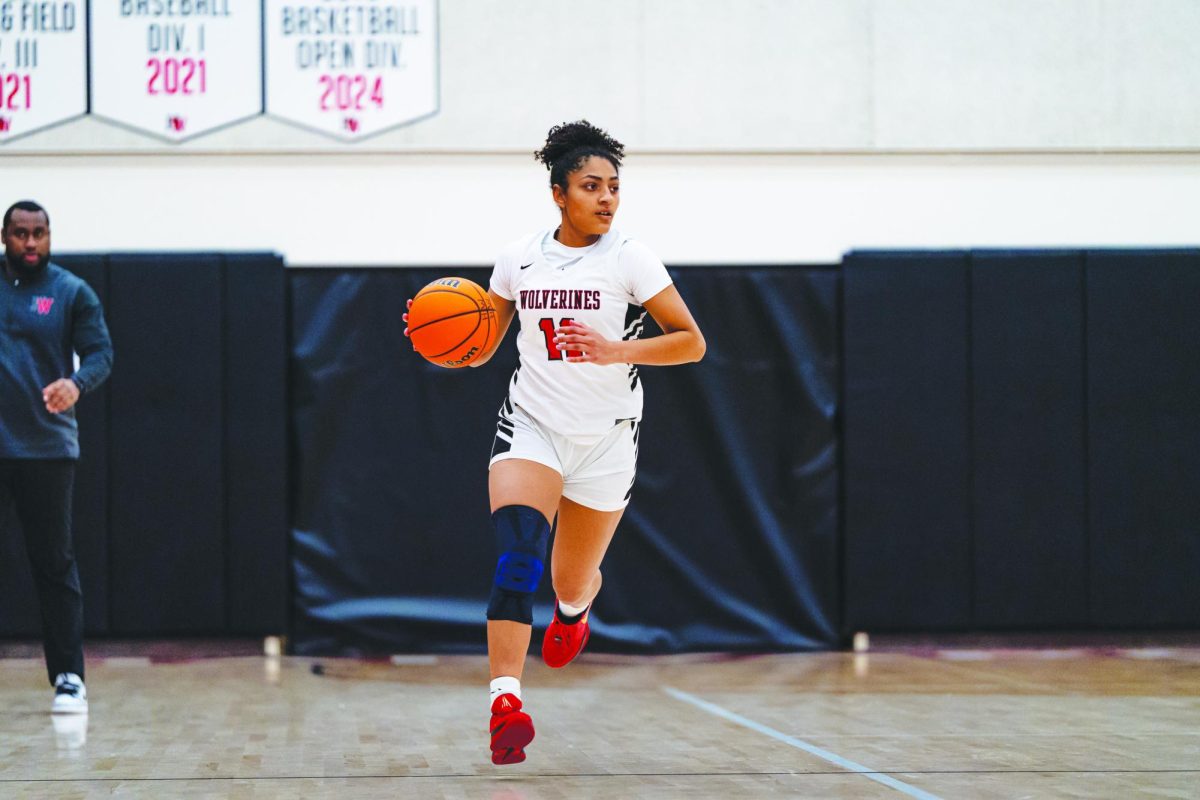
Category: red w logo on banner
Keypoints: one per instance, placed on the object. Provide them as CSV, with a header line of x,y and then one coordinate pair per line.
x,y
5,124
176,123
352,124
42,305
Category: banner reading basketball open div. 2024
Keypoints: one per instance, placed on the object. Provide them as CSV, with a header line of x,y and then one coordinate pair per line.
x,y
43,69
176,68
351,70
173,70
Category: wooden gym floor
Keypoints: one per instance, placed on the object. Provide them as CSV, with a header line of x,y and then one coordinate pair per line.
x,y
920,720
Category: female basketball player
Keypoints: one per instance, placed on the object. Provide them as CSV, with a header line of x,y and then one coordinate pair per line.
x,y
566,441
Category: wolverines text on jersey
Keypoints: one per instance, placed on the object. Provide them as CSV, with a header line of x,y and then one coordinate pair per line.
x,y
603,286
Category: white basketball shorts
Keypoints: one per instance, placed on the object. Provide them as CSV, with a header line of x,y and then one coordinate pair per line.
x,y
597,471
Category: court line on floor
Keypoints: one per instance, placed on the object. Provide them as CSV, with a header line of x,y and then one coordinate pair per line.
x,y
561,775
812,749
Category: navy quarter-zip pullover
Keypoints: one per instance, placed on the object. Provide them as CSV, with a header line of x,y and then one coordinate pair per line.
x,y
44,320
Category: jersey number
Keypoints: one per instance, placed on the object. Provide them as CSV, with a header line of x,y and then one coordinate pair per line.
x,y
547,326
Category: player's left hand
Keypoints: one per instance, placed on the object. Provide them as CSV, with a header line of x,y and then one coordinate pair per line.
x,y
592,347
60,395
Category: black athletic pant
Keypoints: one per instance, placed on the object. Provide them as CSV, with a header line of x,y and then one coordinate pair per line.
x,y
41,491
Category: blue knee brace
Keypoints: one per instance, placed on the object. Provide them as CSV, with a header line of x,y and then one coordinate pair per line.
x,y
522,534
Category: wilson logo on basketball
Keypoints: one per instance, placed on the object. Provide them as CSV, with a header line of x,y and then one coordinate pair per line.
x,y
459,362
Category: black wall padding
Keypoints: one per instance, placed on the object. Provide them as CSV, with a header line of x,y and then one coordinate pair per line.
x,y
90,523
181,490
907,547
167,550
392,548
731,539
1020,448
1143,350
1027,439
255,443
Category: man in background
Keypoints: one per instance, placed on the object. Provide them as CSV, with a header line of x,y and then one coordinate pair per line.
x,y
47,317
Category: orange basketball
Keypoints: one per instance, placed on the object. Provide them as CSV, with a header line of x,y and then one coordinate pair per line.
x,y
451,322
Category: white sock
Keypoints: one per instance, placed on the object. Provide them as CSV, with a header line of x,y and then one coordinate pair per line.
x,y
505,684
570,611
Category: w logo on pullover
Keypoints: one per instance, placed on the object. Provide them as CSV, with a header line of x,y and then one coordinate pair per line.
x,y
42,305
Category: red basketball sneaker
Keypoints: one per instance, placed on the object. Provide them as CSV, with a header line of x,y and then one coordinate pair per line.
x,y
512,729
563,642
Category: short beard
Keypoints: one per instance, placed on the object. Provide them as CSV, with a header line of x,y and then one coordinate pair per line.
x,y
19,268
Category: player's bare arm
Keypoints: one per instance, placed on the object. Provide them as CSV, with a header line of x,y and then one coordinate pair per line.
x,y
505,311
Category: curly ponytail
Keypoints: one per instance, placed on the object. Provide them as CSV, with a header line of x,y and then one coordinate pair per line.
x,y
570,144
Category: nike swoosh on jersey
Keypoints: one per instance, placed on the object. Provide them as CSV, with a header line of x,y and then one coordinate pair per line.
x,y
526,266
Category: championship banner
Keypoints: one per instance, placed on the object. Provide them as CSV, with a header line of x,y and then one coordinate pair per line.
x,y
351,68
176,68
43,65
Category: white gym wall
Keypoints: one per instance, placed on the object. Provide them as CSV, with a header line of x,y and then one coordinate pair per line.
x,y
759,131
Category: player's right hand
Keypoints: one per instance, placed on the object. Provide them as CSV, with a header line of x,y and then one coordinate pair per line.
x,y
405,316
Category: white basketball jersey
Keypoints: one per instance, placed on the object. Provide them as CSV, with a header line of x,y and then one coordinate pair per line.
x,y
603,286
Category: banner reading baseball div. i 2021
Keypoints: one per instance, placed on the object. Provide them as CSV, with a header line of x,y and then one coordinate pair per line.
x,y
351,68
176,68
43,65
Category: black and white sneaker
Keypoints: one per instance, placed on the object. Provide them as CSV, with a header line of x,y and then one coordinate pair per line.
x,y
70,695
